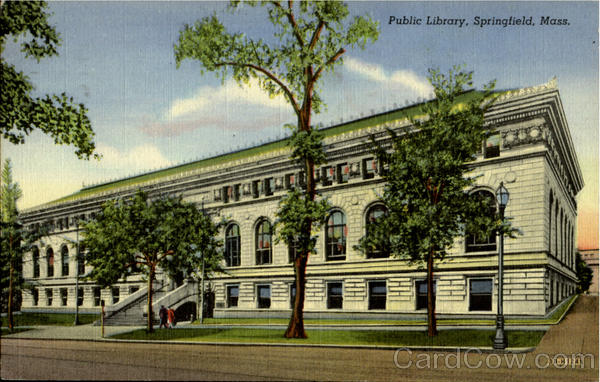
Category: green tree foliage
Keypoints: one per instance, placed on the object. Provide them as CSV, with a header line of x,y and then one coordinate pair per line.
x,y
140,235
312,38
15,241
584,274
20,112
427,186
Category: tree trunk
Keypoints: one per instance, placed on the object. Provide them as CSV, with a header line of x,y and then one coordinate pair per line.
x,y
10,286
150,327
431,323
296,326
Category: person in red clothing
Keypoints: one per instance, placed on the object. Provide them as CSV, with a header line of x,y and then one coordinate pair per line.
x,y
171,317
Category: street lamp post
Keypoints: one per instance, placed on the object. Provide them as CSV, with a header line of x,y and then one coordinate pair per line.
x,y
500,341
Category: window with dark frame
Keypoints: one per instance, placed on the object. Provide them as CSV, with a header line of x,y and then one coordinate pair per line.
x,y
480,294
335,297
115,295
49,297
63,296
97,296
290,181
269,186
478,243
374,214
236,192
80,297
36,262
232,245
35,297
491,147
421,292
227,192
343,173
49,262
292,251
233,293
264,296
369,166
256,188
80,263
263,243
327,175
64,259
377,295
336,233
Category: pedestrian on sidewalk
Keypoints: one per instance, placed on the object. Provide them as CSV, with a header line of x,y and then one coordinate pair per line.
x,y
162,314
171,317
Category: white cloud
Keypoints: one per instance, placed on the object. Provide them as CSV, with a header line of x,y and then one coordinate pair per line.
x,y
138,158
209,98
404,78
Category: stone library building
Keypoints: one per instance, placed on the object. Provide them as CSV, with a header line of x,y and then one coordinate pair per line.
x,y
531,152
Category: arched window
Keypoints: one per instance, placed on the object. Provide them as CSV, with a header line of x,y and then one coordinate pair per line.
x,y
64,260
264,242
336,232
232,245
476,243
50,262
372,218
36,262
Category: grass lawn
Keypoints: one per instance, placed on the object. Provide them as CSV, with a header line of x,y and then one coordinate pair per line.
x,y
463,338
63,319
553,319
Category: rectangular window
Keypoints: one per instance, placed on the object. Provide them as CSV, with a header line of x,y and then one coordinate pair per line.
x,y
115,295
335,297
369,166
35,297
491,147
236,192
80,297
133,289
377,295
256,188
343,173
290,181
227,192
63,296
233,292
421,287
96,296
480,294
49,297
269,186
264,296
302,179
327,175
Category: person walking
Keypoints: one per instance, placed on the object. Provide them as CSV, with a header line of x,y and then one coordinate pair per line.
x,y
162,314
171,317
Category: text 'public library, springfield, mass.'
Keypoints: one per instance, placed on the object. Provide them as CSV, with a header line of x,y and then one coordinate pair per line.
x,y
531,152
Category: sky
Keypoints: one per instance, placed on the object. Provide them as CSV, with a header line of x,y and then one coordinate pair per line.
x,y
117,58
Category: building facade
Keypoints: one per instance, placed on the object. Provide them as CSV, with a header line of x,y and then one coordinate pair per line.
x,y
531,152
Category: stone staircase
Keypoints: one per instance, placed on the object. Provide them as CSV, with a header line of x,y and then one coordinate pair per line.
x,y
131,311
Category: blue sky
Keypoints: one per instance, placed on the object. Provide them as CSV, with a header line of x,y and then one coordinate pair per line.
x,y
117,58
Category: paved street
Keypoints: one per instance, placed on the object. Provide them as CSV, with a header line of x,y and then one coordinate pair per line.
x,y
61,359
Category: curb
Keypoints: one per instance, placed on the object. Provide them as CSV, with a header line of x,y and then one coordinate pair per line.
x,y
470,349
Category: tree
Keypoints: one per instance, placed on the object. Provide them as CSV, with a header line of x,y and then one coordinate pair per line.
x,y
584,274
426,191
313,37
15,241
20,112
140,235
